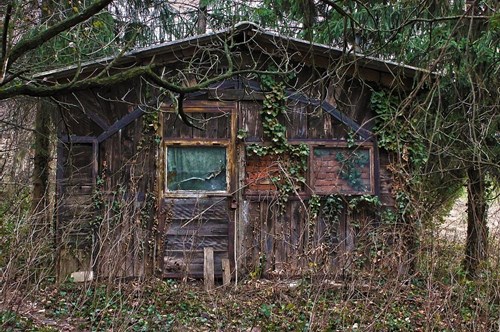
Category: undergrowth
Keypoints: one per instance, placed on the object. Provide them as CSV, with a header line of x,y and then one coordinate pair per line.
x,y
437,298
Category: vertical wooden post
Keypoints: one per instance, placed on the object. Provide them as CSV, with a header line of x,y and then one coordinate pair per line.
x,y
208,268
226,272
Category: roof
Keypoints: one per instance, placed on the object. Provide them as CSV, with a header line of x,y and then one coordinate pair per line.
x,y
258,34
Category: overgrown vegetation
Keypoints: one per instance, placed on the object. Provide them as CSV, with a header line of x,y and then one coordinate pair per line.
x,y
292,159
439,297
445,135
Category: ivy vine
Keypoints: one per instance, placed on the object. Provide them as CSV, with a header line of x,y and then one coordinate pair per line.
x,y
395,133
150,128
293,157
330,208
352,164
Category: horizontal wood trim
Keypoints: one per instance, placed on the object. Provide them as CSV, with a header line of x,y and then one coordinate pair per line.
x,y
323,143
192,252
189,243
185,194
196,142
78,139
201,106
211,227
235,94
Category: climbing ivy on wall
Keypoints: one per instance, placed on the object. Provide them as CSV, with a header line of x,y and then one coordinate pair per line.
x,y
352,165
395,132
293,158
330,209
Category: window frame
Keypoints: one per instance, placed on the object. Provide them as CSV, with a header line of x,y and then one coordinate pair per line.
x,y
368,146
191,193
200,106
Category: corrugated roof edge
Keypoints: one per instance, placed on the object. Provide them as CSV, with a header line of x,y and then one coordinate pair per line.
x,y
133,55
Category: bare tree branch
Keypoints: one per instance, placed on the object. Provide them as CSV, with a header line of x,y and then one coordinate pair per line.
x,y
6,22
37,90
28,44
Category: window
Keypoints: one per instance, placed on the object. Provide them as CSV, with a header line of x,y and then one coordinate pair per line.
x,y
342,170
198,168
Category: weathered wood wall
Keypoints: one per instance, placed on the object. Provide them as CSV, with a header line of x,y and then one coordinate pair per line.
x,y
290,242
191,221
76,212
105,185
117,217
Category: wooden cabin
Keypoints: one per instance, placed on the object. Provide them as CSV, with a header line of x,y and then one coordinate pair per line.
x,y
259,167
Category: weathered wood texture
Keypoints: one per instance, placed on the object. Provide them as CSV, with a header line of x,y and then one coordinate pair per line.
x,y
288,245
226,271
208,268
75,212
276,240
104,187
190,225
211,120
133,236
128,174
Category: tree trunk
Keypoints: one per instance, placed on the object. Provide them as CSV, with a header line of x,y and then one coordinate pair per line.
x,y
41,160
202,18
476,248
41,145
309,15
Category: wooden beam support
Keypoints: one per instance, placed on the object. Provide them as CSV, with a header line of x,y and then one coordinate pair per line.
x,y
226,272
97,119
208,268
120,124
330,109
327,107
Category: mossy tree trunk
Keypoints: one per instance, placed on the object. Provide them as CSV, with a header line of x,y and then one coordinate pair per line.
x,y
41,162
202,18
476,248
41,146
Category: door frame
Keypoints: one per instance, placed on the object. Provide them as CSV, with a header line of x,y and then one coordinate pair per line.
x,y
199,106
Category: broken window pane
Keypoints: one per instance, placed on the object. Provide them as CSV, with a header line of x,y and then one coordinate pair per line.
x,y
196,168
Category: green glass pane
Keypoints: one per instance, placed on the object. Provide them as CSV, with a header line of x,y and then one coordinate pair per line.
x,y
196,168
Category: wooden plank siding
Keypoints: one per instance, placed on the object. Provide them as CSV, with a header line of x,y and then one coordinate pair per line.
x,y
75,212
191,225
284,244
127,171
156,230
116,212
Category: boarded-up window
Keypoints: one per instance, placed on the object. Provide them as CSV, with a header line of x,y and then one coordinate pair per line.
x,y
196,168
342,170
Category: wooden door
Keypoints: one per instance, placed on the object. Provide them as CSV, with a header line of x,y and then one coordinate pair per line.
x,y
198,186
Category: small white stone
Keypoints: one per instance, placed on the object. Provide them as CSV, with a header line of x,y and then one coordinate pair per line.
x,y
82,276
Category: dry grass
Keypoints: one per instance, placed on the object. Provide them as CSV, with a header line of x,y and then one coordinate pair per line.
x,y
372,296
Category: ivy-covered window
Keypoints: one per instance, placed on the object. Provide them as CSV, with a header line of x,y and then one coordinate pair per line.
x,y
342,170
199,168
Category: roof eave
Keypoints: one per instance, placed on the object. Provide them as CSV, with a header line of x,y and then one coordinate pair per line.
x,y
149,53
